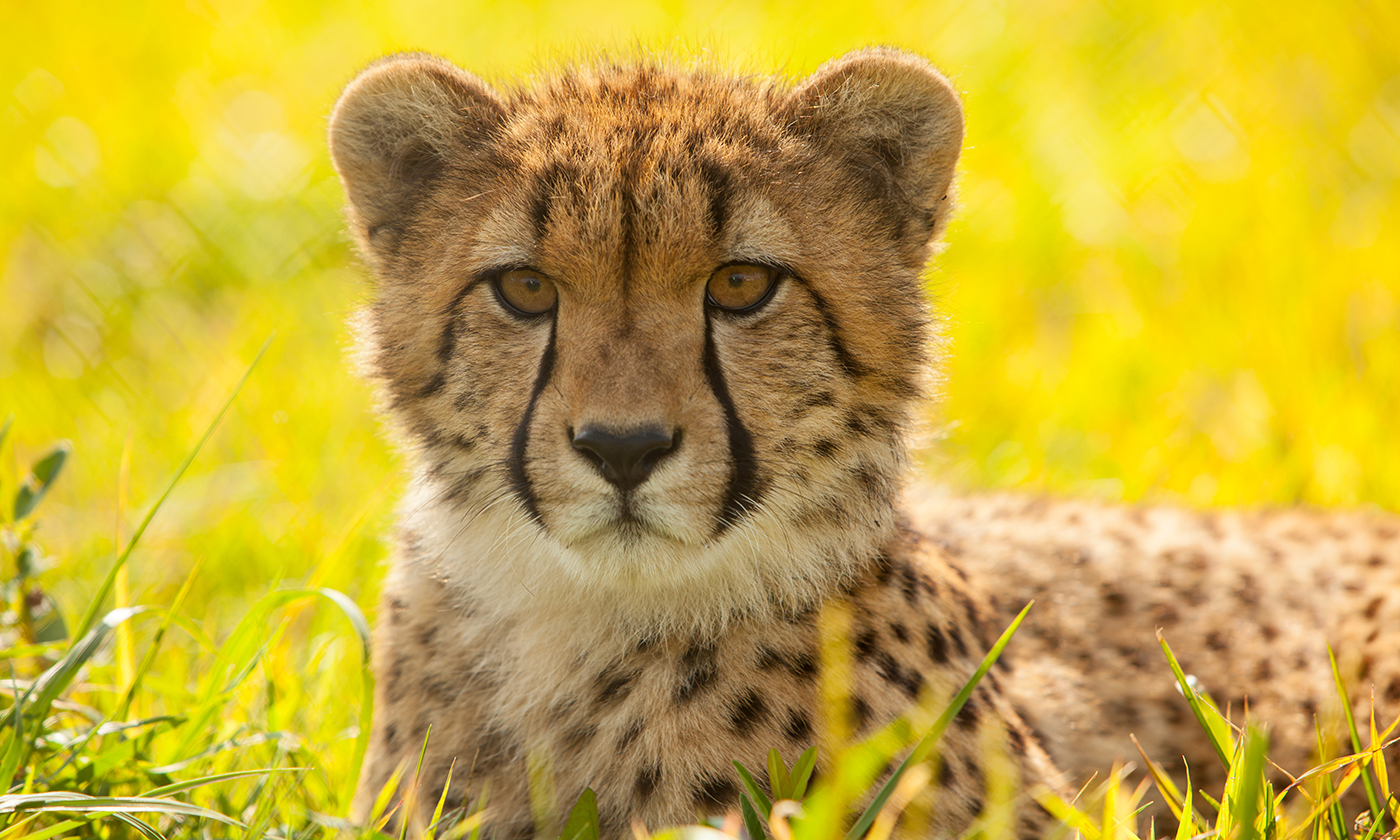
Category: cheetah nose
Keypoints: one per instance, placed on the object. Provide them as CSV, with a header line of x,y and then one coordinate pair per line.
x,y
625,460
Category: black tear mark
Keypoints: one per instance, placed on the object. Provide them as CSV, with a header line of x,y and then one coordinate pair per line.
x,y
519,478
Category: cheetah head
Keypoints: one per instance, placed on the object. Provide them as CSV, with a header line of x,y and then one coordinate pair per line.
x,y
653,334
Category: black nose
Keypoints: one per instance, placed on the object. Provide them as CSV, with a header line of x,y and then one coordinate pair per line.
x,y
626,459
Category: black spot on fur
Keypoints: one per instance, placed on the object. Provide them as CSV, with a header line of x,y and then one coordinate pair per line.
x,y
495,748
937,644
747,714
714,789
802,665
1017,739
426,634
630,734
432,386
397,606
860,713
698,673
909,584
899,631
391,738
910,681
447,340
798,726
869,480
867,644
720,187
849,365
955,636
647,781
826,448
1115,601
393,681
970,713
883,568
577,737
613,687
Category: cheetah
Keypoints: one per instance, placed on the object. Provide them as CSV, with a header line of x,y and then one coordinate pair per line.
x,y
654,340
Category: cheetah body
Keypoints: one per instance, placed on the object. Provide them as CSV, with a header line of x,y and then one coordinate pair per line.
x,y
545,617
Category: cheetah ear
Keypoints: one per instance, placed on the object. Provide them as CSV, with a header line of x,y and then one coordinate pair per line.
x,y
397,128
897,124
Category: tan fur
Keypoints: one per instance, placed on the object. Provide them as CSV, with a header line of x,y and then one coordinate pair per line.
x,y
637,640
1249,602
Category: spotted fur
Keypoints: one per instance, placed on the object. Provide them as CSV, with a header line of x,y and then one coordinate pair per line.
x,y
642,639
637,640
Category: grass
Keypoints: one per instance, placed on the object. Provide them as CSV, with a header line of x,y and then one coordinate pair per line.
x,y
1172,279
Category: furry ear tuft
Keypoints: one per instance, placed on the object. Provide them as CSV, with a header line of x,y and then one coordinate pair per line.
x,y
396,128
897,122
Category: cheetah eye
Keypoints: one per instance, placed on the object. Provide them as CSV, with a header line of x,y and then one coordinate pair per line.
x,y
738,288
526,291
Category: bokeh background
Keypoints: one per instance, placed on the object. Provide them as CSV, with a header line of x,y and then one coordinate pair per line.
x,y
1175,275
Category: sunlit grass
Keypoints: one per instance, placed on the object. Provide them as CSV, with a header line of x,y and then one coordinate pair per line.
x,y
1175,276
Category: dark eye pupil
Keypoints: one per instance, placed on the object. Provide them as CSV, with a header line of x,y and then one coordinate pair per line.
x,y
533,284
736,280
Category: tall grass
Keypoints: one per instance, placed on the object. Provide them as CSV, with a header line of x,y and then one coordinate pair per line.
x,y
1172,278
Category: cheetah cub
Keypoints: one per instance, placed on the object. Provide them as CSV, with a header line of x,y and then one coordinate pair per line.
x,y
653,339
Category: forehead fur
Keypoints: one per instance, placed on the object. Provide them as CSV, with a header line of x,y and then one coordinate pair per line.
x,y
876,126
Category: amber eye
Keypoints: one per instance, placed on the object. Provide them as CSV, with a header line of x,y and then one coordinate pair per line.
x,y
527,292
739,287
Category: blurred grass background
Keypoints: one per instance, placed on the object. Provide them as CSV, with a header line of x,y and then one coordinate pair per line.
x,y
1175,275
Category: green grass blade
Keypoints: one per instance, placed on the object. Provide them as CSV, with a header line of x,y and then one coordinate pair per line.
x,y
243,649
925,745
753,789
1208,716
1248,776
41,478
41,834
1164,782
68,801
752,823
27,651
431,831
357,619
1186,825
17,748
142,826
99,597
190,784
802,772
1366,772
237,743
411,800
139,676
583,818
778,780
59,675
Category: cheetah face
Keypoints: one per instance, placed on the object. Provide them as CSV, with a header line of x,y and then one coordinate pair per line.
x,y
650,330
